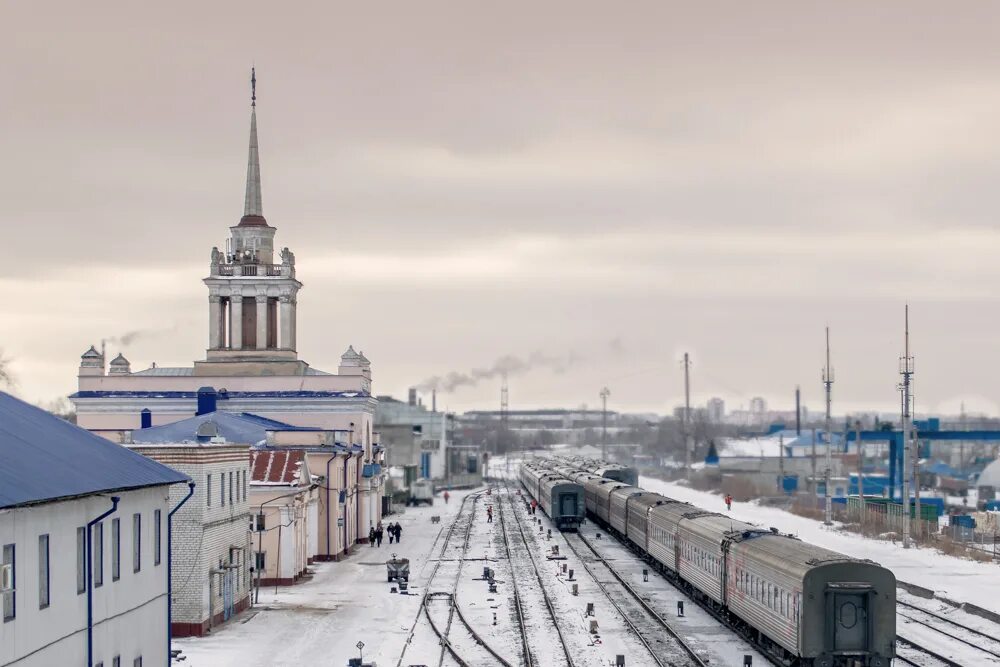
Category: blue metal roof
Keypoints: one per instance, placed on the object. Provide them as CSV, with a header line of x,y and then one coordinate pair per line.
x,y
44,458
222,395
234,427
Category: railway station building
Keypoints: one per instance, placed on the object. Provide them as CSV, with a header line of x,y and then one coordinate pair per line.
x,y
251,364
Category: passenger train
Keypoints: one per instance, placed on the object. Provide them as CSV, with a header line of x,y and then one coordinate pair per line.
x,y
561,499
802,604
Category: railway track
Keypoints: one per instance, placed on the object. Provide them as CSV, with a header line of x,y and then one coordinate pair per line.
x,y
916,655
947,636
463,522
665,646
529,655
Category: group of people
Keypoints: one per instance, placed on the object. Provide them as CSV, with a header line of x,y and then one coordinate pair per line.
x,y
375,535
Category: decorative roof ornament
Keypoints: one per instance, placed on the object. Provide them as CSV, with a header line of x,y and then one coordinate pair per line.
x,y
253,210
92,353
350,355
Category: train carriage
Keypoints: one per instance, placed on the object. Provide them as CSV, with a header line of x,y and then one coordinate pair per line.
x,y
562,500
662,529
637,510
597,491
618,499
814,603
700,537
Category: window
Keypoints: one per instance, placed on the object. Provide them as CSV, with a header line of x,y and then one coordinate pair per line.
x,y
222,489
208,490
136,542
9,600
259,559
117,662
137,662
81,559
230,487
116,549
156,537
97,538
244,473
43,571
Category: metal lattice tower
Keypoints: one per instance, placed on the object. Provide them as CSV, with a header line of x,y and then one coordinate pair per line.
x,y
687,416
828,386
906,390
604,422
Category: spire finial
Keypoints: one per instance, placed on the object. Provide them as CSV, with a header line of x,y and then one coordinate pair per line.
x,y
253,86
253,212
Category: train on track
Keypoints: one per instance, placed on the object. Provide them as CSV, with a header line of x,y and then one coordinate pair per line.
x,y
804,605
560,498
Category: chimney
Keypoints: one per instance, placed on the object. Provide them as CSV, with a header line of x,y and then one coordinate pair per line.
x,y
206,400
798,411
434,400
413,396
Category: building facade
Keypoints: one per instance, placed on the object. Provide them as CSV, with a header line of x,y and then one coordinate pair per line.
x,y
83,535
210,542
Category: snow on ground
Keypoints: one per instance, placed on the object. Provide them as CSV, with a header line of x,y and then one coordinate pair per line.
x,y
319,621
955,578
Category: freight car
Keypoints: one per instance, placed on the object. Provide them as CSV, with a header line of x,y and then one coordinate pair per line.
x,y
804,605
561,499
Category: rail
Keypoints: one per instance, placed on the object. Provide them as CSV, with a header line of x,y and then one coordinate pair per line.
x,y
538,577
948,662
437,564
635,596
972,631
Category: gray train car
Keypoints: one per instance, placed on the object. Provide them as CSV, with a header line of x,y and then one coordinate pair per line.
x,y
814,603
597,492
699,539
637,510
619,473
617,512
560,498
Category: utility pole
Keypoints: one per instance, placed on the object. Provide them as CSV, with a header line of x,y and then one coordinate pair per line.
x,y
828,384
798,411
906,370
504,405
916,489
861,471
813,483
687,416
604,422
781,463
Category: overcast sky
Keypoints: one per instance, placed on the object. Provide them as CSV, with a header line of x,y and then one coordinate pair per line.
x,y
594,186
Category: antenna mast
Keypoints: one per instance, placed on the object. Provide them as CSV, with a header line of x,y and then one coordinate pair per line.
x,y
828,384
906,370
504,407
604,422
687,416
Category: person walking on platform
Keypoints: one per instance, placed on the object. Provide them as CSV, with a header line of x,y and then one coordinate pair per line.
x,y
446,497
371,536
392,533
399,533
489,514
729,502
534,505
378,535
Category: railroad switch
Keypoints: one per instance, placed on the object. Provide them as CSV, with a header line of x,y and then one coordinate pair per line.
x,y
576,591
645,574
680,608
570,577
619,661
747,661
590,609
548,534
564,568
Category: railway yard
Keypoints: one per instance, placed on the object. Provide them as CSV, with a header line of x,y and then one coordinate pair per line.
x,y
517,591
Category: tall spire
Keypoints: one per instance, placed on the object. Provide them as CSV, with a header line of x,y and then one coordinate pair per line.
x,y
253,211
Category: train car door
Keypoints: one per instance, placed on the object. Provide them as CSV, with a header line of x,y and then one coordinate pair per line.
x,y
848,617
567,504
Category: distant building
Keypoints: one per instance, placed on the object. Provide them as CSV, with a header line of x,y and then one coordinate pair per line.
x,y
562,425
758,405
716,410
62,489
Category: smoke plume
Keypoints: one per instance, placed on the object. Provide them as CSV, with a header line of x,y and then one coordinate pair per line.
x,y
508,364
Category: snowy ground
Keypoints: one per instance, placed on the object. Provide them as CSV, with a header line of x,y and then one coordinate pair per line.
x,y
320,621
955,578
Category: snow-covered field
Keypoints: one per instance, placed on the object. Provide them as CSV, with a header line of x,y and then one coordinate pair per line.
x,y
955,578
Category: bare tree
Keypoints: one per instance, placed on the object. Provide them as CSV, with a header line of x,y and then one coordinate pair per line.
x,y
7,380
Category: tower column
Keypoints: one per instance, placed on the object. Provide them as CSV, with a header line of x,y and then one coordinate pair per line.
x,y
261,321
287,318
236,322
292,343
214,321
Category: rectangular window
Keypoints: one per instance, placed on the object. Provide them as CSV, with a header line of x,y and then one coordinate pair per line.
x,y
136,542
116,549
81,560
222,489
9,600
97,539
243,476
208,490
43,571
259,559
156,537
117,662
230,488
137,662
